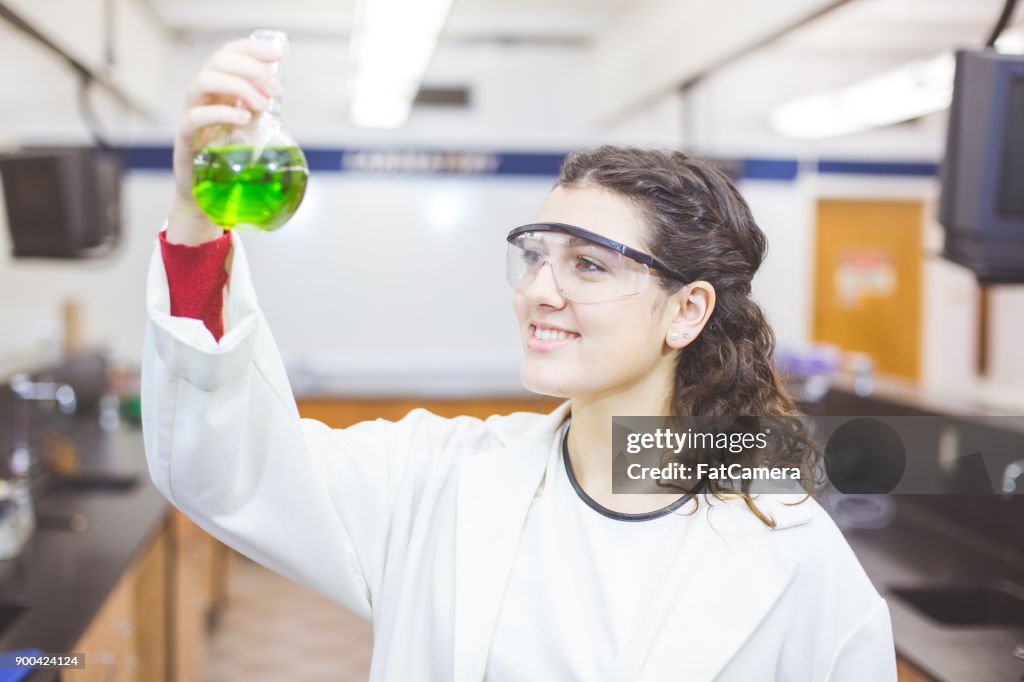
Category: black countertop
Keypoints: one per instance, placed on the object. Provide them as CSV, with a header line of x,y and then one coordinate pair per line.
x,y
64,576
943,539
920,549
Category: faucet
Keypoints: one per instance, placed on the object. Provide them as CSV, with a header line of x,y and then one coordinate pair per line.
x,y
26,391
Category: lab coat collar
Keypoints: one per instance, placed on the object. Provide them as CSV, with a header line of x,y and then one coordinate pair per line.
x,y
741,573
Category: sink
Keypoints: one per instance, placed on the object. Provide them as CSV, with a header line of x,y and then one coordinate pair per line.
x,y
998,602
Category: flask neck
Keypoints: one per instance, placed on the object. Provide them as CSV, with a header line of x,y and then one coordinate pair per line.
x,y
280,40
267,123
273,110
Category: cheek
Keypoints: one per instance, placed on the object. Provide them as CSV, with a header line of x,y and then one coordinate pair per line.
x,y
519,307
619,336
617,323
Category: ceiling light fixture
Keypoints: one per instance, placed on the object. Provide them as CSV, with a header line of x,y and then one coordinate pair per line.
x,y
392,44
907,92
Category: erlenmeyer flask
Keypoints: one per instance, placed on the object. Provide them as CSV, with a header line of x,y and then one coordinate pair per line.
x,y
253,175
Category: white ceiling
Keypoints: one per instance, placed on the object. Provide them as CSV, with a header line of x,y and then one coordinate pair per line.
x,y
901,28
514,20
875,31
905,26
856,39
864,38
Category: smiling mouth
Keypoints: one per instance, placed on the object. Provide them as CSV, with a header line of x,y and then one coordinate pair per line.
x,y
551,334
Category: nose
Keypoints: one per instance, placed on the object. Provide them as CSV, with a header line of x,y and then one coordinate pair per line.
x,y
545,287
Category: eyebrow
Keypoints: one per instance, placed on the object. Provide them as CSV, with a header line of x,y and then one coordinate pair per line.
x,y
574,240
577,241
580,241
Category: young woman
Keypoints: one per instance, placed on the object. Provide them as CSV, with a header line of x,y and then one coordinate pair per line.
x,y
494,549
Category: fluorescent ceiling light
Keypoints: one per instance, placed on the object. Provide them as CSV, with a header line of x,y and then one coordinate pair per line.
x,y
912,90
392,43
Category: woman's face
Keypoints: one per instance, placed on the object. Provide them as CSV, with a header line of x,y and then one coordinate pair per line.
x,y
613,347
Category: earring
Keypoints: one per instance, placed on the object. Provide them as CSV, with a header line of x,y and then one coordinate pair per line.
x,y
674,336
686,335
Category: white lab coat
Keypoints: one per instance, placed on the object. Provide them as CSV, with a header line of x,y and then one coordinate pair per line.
x,y
414,524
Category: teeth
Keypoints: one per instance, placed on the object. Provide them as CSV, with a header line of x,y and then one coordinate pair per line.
x,y
551,334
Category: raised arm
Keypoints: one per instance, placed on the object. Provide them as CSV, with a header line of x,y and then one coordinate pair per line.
x,y
224,440
225,444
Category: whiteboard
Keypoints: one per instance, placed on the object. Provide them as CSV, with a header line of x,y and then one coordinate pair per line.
x,y
392,284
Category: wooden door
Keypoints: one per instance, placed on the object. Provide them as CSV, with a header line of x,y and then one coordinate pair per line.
x,y
868,272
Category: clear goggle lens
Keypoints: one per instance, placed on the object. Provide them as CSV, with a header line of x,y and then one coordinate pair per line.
x,y
584,272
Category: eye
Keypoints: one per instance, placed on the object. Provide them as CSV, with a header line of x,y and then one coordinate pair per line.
x,y
531,257
585,264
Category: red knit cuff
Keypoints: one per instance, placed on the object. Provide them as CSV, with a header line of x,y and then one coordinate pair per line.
x,y
196,277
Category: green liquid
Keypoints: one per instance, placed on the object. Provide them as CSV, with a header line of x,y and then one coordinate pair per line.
x,y
233,188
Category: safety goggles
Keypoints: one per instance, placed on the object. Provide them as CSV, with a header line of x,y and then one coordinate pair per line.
x,y
587,268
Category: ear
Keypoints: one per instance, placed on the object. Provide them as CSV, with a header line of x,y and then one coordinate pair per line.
x,y
692,307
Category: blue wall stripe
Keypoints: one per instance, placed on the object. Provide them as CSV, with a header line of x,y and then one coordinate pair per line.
x,y
769,169
147,158
878,168
323,159
438,161
542,164
530,164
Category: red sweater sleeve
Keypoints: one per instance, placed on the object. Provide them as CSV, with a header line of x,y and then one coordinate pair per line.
x,y
196,276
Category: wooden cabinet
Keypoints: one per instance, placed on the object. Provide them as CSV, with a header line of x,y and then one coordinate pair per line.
x,y
191,588
342,412
109,643
151,612
907,672
154,624
197,591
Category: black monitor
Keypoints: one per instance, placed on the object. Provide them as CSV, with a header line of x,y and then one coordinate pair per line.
x,y
62,202
982,203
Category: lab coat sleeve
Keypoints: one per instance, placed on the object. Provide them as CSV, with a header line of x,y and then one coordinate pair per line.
x,y
225,444
867,653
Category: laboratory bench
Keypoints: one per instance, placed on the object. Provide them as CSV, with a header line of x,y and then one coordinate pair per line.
x,y
950,566
112,569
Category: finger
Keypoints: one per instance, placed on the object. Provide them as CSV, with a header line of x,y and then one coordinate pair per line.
x,y
220,84
201,117
257,49
253,70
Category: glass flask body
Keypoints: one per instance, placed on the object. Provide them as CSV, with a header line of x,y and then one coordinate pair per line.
x,y
251,176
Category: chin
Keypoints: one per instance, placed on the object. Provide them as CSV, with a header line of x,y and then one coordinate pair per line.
x,y
544,385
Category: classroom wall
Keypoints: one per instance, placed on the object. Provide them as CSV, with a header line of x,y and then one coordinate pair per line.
x,y
382,283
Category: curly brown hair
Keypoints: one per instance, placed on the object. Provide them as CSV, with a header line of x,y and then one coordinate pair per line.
x,y
698,223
